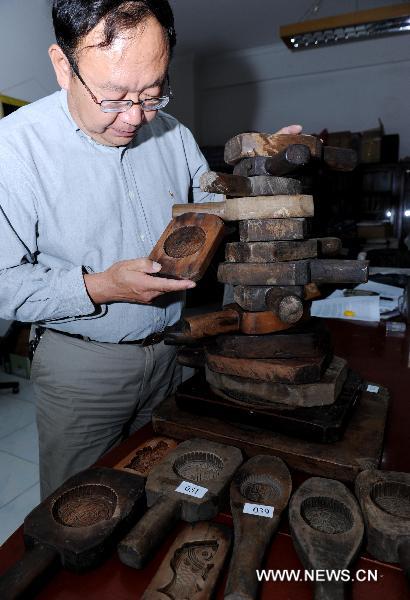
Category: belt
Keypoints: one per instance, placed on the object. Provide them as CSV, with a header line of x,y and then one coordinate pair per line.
x,y
150,340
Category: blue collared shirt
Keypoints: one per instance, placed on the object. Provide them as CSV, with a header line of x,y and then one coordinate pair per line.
x,y
69,203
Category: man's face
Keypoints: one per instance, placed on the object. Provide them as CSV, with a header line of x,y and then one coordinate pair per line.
x,y
133,67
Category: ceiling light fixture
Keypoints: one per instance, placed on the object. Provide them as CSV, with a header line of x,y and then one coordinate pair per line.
x,y
348,27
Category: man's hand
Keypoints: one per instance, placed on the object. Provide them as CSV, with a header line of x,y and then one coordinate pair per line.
x,y
131,281
291,129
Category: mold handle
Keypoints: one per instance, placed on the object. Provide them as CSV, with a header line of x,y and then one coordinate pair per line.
x,y
329,590
404,556
242,581
24,573
146,536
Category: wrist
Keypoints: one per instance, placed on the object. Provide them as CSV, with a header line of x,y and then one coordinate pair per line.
x,y
96,286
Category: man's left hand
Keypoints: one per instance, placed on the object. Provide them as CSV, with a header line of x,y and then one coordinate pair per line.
x,y
291,129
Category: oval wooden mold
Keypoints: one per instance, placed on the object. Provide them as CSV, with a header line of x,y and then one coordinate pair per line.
x,y
384,497
262,486
327,528
85,505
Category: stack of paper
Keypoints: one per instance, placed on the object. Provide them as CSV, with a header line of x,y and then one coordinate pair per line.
x,y
384,303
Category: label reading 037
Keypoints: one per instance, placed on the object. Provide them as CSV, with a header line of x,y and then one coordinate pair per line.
x,y
191,489
259,510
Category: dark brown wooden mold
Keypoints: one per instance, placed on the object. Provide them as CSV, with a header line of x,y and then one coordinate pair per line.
x,y
305,340
270,252
78,523
324,424
193,564
197,461
360,447
320,393
273,370
187,245
298,272
229,320
295,157
281,273
288,160
266,230
237,185
254,298
327,528
266,481
193,357
247,145
141,460
339,271
385,500
340,159
328,246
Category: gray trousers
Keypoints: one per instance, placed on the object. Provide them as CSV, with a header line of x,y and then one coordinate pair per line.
x,y
90,396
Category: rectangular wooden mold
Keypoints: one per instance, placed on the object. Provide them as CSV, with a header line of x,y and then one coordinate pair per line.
x,y
266,230
298,272
274,370
193,564
187,245
267,393
306,340
360,448
141,460
268,252
281,273
247,145
324,424
255,298
236,185
257,207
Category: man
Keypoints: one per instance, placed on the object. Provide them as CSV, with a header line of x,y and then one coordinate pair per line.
x,y
88,176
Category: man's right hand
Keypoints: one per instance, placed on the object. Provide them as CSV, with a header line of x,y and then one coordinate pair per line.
x,y
131,281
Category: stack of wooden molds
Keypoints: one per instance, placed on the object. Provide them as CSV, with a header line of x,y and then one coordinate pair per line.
x,y
270,363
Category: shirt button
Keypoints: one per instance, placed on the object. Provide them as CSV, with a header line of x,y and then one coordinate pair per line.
x,y
142,238
131,196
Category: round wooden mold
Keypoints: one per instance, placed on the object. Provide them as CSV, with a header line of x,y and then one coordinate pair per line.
x,y
85,505
198,466
185,241
392,497
326,514
260,488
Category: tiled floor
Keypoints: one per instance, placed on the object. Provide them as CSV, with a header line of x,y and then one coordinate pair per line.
x,y
19,490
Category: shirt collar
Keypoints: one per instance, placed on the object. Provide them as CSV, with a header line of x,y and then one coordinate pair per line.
x,y
66,110
75,127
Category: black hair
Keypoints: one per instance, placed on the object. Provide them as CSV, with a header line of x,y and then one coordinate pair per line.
x,y
74,19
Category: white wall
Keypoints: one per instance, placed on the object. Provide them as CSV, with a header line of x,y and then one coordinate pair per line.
x,y
25,69
341,88
26,33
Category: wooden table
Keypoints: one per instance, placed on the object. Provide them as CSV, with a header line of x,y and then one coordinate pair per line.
x,y
376,357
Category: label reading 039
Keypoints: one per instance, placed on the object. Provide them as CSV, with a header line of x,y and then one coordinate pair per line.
x,y
259,510
191,489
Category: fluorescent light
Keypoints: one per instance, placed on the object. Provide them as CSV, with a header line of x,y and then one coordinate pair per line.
x,y
348,27
407,213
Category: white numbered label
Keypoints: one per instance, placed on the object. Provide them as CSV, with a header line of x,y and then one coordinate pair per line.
x,y
373,389
259,510
191,489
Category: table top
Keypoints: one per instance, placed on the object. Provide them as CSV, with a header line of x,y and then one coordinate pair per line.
x,y
378,358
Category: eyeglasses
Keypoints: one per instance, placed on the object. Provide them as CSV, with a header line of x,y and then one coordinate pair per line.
x,y
119,106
